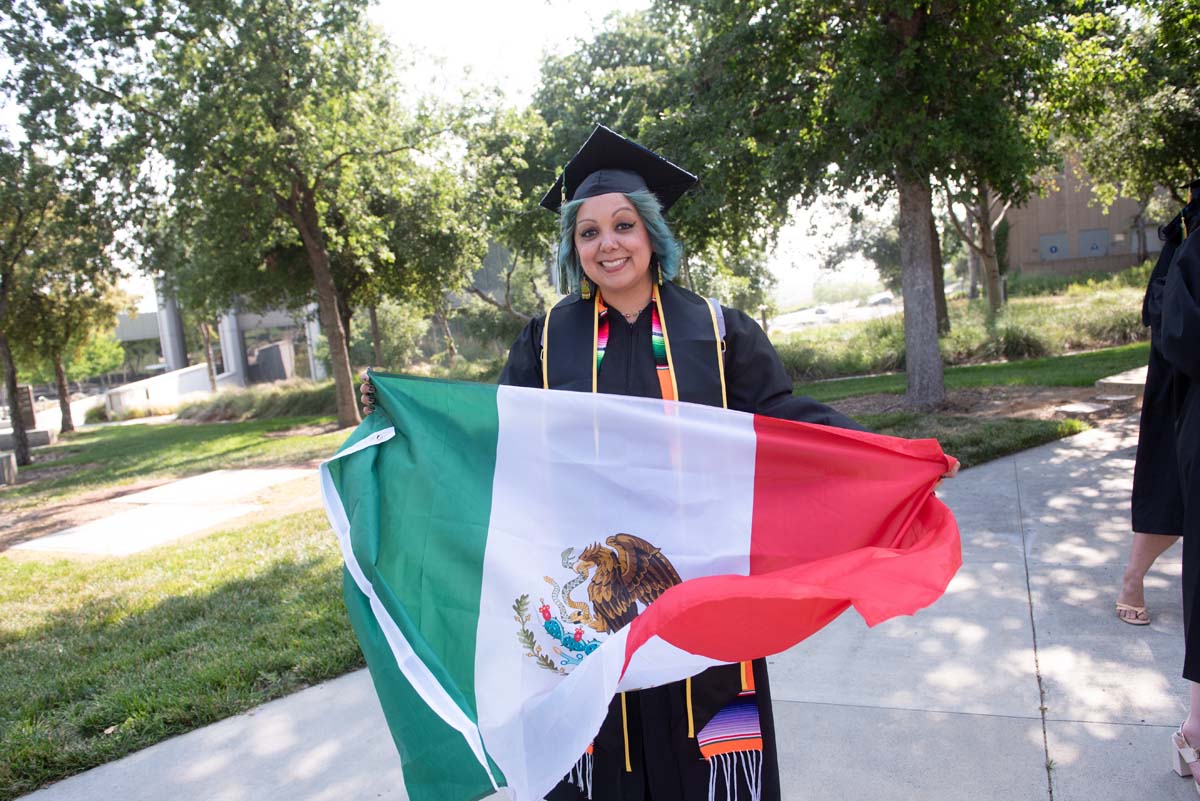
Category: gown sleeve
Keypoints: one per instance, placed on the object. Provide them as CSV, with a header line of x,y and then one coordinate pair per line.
x,y
756,381
1181,310
524,366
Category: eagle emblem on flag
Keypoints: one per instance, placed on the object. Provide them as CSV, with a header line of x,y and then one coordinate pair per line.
x,y
629,571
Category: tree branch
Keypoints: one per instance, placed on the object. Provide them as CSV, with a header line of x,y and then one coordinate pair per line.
x,y
537,293
358,151
508,309
1000,217
958,226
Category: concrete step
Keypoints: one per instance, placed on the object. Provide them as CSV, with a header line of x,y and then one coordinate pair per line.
x,y
1082,408
1130,382
37,438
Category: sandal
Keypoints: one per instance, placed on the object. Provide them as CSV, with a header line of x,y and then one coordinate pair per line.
x,y
1183,757
1133,615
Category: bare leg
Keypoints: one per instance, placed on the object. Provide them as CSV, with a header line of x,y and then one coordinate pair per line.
x,y
1145,549
1191,726
1190,731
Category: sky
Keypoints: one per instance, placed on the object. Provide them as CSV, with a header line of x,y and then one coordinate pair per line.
x,y
500,43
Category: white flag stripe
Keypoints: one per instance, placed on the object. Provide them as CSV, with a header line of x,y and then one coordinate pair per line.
x,y
658,662
415,671
563,478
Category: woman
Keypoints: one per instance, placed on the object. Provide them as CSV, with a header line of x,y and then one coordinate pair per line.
x,y
1157,501
626,329
1180,338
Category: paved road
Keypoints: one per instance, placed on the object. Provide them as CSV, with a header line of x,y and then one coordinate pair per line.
x,y
1019,685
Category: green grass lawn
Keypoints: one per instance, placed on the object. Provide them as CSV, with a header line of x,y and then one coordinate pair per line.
x,y
116,455
1075,370
99,659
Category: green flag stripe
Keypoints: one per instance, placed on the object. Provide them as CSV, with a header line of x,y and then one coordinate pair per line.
x,y
437,498
428,605
438,761
388,652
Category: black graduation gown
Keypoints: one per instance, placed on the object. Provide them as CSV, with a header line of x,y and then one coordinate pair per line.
x,y
1157,502
1181,349
665,763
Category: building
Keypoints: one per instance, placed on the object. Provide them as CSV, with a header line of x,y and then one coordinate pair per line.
x,y
1069,231
270,356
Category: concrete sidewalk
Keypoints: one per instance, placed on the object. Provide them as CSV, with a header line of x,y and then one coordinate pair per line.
x,y
1019,684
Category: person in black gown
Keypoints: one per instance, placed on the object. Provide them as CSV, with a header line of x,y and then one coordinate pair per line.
x,y
618,255
1181,350
1157,501
627,329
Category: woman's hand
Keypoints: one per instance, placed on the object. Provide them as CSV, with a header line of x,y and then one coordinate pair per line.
x,y
366,393
951,473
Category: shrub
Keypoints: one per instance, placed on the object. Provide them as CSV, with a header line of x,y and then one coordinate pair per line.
x,y
1015,341
293,398
96,414
1083,317
1119,327
1079,283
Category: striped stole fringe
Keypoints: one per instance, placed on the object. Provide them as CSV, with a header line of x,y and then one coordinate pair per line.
x,y
581,773
732,744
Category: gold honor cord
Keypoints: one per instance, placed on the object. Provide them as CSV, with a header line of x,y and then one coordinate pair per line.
x,y
545,353
597,306
625,730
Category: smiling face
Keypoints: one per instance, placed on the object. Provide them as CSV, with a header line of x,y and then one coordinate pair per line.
x,y
614,250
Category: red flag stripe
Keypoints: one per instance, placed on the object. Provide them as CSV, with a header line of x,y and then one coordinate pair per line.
x,y
852,522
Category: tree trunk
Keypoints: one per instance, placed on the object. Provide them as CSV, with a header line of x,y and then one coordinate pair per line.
x,y
20,438
206,338
973,270
939,279
346,314
923,360
64,395
1139,222
376,342
987,244
307,222
443,322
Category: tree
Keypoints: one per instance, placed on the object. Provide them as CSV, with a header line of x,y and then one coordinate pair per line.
x,y
276,120
29,197
67,311
632,77
984,216
70,293
875,95
100,356
1135,125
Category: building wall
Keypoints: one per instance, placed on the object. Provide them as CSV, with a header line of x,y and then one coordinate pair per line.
x,y
1069,231
166,390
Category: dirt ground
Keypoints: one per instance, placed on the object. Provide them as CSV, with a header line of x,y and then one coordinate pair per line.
x,y
1040,403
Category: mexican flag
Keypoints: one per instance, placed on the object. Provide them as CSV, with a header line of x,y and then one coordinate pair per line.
x,y
515,557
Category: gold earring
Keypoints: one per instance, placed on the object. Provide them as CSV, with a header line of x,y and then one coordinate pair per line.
x,y
585,288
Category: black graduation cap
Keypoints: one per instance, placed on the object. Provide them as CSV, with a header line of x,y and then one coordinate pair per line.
x,y
608,162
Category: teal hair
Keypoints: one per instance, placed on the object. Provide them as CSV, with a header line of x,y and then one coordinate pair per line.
x,y
662,241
